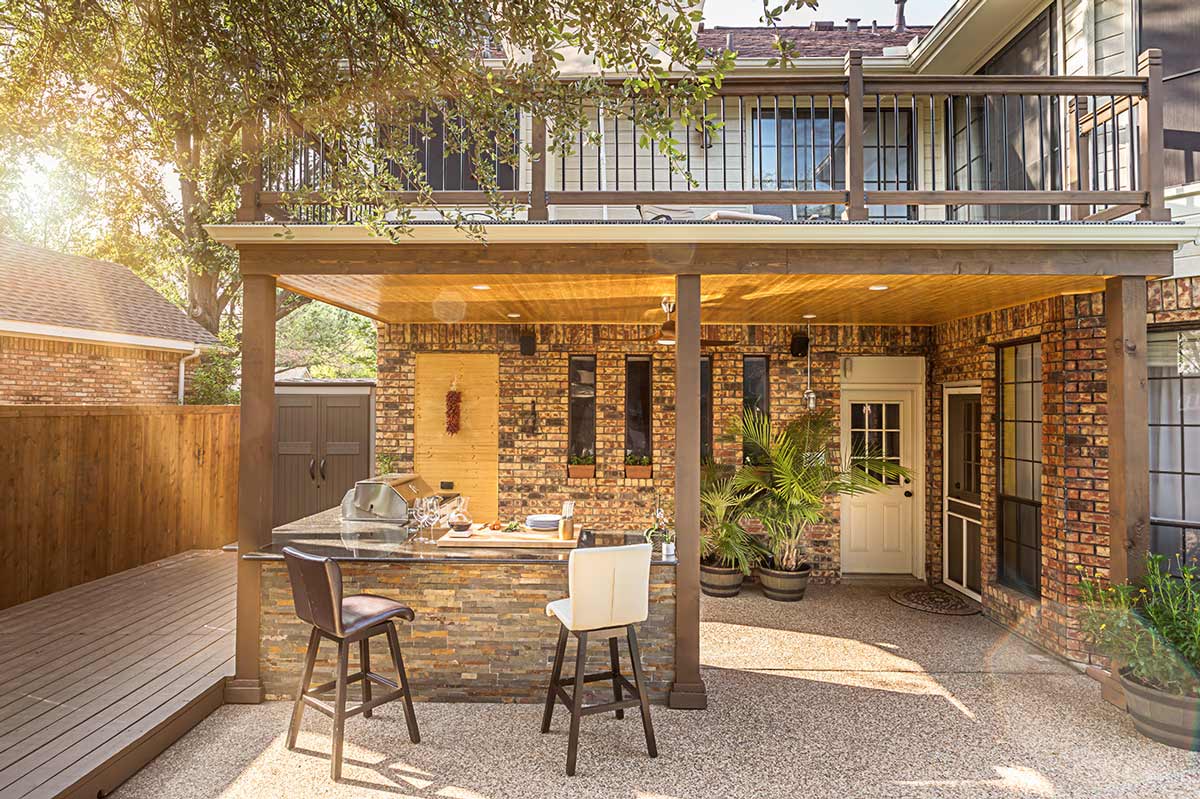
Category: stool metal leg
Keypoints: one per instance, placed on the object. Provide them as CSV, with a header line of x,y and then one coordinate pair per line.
x,y
615,659
410,716
636,657
339,709
364,660
555,677
577,703
310,659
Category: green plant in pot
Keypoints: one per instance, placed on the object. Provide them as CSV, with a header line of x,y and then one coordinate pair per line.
x,y
727,552
638,466
1151,632
792,472
582,465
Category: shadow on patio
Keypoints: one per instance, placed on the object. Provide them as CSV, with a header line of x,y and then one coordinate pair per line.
x,y
846,694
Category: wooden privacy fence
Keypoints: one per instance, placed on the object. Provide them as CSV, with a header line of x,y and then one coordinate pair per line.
x,y
88,491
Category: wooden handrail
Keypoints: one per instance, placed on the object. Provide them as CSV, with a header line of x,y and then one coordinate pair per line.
x,y
1031,85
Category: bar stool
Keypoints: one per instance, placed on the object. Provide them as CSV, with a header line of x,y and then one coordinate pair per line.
x,y
609,591
317,593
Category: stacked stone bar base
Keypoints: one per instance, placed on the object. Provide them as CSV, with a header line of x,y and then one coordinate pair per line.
x,y
481,633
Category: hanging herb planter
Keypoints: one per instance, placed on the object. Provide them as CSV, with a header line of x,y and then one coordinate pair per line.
x,y
453,410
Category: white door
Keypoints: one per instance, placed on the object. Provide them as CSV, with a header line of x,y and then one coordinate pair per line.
x,y
877,529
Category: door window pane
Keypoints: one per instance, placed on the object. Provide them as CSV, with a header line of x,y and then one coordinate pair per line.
x,y
1020,372
875,433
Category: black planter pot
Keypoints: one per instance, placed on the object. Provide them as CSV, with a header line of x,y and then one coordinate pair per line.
x,y
1167,718
784,586
719,581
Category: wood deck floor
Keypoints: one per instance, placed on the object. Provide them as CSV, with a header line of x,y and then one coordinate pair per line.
x,y
97,679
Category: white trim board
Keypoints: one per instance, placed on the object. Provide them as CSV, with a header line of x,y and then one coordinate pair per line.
x,y
37,330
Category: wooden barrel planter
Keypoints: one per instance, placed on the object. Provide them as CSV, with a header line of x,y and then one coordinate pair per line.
x,y
719,581
1167,718
784,586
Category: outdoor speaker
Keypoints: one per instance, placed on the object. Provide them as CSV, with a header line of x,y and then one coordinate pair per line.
x,y
528,344
799,345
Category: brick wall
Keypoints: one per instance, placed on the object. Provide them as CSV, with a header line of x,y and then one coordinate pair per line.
x,y
533,464
480,634
46,371
1075,529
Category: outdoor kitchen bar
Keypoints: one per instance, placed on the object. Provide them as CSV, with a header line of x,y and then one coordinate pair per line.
x,y
481,632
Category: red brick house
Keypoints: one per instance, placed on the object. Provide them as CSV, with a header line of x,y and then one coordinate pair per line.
x,y
79,330
963,248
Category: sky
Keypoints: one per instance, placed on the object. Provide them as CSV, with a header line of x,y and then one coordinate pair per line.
x,y
747,12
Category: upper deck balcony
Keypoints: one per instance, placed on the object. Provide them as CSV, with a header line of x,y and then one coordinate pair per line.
x,y
850,146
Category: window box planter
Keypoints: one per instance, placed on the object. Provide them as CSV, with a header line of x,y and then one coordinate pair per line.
x,y
1170,719
719,581
638,472
582,471
784,586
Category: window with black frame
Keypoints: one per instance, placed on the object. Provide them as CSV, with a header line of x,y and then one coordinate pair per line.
x,y
804,149
706,409
1174,393
755,390
581,421
637,408
437,142
1020,485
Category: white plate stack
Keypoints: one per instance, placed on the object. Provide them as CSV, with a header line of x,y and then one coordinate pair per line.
x,y
547,522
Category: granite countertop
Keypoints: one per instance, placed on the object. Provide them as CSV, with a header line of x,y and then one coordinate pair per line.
x,y
326,534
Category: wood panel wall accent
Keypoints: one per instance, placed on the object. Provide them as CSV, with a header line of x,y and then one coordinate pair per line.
x,y
89,491
470,457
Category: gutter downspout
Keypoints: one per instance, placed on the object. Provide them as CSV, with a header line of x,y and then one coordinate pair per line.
x,y
183,369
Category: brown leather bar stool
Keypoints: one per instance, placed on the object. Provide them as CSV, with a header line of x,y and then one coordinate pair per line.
x,y
609,591
317,593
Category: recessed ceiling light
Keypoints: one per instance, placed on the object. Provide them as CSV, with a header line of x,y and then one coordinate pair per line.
x,y
482,287
514,316
878,287
809,316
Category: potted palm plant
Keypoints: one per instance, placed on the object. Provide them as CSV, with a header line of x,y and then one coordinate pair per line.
x,y
727,552
1152,630
582,465
791,473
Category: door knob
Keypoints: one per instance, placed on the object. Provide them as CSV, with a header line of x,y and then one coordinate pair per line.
x,y
908,494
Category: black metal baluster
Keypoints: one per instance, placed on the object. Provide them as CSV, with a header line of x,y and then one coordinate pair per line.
x,y
670,166
1094,105
778,146
1041,145
704,139
812,139
758,142
932,139
795,146
1024,157
634,143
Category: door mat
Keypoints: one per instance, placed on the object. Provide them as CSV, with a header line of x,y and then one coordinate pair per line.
x,y
935,600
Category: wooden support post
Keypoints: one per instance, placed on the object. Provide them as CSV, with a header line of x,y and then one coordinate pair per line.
x,y
256,477
688,689
856,203
1128,413
1077,150
538,212
1150,137
248,207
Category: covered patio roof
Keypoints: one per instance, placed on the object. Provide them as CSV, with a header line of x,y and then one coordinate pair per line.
x,y
725,299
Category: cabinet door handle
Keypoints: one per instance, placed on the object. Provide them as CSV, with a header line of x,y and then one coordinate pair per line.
x,y
323,468
312,468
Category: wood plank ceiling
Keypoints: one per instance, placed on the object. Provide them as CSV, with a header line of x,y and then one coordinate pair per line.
x,y
727,299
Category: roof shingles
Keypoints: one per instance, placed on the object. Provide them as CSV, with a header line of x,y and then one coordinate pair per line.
x,y
41,286
810,43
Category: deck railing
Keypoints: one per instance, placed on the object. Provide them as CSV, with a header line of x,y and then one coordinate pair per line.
x,y
850,145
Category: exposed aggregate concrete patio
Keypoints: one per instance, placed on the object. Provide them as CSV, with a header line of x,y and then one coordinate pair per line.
x,y
845,694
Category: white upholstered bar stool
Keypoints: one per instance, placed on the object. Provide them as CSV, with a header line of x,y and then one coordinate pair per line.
x,y
609,593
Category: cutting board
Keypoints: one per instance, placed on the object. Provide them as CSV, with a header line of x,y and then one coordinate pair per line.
x,y
524,538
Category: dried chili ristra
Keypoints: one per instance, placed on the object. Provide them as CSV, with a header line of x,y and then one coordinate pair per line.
x,y
453,411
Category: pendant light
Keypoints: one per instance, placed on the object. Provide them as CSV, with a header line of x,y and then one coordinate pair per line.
x,y
810,396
